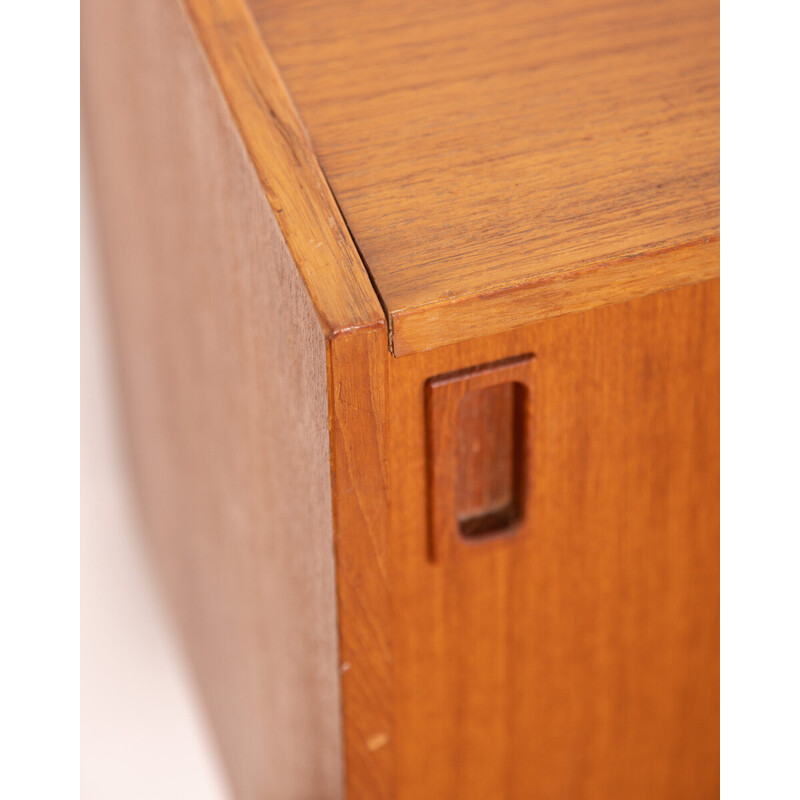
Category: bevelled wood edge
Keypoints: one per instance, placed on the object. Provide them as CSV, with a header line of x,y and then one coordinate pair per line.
x,y
281,152
320,242
415,330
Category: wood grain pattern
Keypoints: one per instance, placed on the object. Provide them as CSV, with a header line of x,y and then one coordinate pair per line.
x,y
358,386
499,163
224,374
279,147
582,290
579,661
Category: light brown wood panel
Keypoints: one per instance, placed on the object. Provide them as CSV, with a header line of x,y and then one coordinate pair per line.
x,y
581,660
279,148
566,293
503,162
358,388
223,366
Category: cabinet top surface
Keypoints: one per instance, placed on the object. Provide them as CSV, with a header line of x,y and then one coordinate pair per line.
x,y
479,147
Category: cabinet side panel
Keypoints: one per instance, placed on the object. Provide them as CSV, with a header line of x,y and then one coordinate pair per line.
x,y
223,374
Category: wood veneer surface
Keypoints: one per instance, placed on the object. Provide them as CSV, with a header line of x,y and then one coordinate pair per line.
x,y
223,367
501,162
288,171
579,659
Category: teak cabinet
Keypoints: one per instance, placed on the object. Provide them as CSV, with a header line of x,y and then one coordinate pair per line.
x,y
417,315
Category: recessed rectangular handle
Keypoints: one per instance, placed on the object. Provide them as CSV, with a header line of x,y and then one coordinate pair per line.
x,y
479,429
